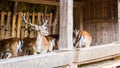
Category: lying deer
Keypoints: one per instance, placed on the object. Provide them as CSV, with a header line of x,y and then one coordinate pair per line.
x,y
81,39
39,44
10,47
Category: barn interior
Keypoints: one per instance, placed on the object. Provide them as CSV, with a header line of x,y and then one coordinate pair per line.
x,y
99,18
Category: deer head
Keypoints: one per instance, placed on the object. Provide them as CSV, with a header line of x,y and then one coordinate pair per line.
x,y
75,37
42,29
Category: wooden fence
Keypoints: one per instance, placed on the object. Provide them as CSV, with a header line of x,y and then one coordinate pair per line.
x,y
11,25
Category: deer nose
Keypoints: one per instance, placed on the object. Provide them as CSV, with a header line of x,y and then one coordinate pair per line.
x,y
74,44
38,52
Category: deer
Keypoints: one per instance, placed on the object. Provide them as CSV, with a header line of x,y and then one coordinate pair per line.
x,y
10,48
81,39
40,44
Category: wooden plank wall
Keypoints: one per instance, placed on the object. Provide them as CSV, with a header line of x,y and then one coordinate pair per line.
x,y
100,20
15,27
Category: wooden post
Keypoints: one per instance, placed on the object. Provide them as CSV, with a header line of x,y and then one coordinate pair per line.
x,y
118,57
19,24
119,17
66,24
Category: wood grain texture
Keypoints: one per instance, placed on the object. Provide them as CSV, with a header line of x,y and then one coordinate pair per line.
x,y
66,24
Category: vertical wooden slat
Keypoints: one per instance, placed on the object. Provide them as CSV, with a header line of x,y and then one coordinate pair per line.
x,y
13,25
19,24
50,30
8,25
66,24
26,25
38,18
14,19
2,24
33,18
33,22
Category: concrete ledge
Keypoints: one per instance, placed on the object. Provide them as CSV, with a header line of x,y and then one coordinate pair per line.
x,y
96,53
48,60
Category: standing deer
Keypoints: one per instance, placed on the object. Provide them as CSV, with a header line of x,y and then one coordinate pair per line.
x,y
81,39
39,44
10,47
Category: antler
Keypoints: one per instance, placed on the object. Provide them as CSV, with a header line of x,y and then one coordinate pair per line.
x,y
23,17
26,22
43,28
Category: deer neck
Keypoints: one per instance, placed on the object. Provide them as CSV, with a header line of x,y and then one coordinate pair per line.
x,y
39,36
39,42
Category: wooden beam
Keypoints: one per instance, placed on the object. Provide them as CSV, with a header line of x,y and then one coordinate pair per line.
x,y
95,0
119,18
76,4
66,24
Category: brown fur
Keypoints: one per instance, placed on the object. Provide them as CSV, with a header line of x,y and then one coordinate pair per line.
x,y
29,46
85,35
9,45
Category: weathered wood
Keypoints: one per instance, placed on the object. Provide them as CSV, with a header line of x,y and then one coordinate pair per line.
x,y
26,25
33,22
76,4
76,14
48,60
81,17
19,24
8,25
66,24
103,64
55,22
119,17
13,26
98,23
14,19
2,24
51,17
96,53
38,18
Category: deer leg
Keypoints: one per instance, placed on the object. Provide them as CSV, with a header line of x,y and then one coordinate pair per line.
x,y
34,52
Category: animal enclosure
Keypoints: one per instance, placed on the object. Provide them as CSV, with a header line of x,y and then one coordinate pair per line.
x,y
100,19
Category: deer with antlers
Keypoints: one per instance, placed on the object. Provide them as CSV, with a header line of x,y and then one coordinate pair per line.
x,y
41,43
81,39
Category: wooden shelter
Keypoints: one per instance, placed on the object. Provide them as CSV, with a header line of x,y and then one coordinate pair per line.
x,y
99,17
